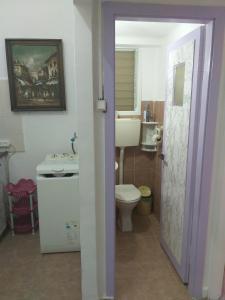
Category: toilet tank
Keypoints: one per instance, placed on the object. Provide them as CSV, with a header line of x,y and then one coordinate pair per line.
x,y
127,132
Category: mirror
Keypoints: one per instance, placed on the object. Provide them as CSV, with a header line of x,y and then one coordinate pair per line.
x,y
178,84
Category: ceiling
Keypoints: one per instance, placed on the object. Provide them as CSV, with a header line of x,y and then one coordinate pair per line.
x,y
145,29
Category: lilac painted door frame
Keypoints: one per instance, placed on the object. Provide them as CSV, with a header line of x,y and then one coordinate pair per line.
x,y
214,18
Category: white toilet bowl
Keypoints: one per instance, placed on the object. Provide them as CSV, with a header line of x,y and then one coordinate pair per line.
x,y
127,197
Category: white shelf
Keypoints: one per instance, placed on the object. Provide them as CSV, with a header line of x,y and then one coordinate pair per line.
x,y
148,144
149,129
149,123
149,150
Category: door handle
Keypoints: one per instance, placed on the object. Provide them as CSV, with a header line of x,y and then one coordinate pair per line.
x,y
162,156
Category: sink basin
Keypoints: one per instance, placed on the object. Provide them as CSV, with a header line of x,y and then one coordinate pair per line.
x,y
127,132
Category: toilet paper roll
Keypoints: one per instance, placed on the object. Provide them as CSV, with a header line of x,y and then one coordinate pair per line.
x,y
156,138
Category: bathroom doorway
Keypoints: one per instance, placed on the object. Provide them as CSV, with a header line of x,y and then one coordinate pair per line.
x,y
180,221
157,68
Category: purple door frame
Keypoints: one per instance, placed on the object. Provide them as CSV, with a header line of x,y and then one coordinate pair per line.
x,y
214,18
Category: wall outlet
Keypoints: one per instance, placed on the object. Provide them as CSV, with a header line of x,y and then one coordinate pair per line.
x,y
4,143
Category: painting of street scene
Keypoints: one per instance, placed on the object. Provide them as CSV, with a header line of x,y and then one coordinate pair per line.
x,y
35,74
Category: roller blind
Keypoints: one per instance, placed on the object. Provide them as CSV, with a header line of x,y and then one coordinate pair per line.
x,y
124,80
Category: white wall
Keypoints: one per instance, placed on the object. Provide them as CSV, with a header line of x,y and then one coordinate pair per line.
x,y
151,52
10,123
44,132
178,2
215,259
150,66
151,72
180,31
88,182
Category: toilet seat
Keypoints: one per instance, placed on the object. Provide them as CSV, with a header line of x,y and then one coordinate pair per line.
x,y
127,193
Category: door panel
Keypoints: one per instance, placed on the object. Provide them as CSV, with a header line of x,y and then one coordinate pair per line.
x,y
177,150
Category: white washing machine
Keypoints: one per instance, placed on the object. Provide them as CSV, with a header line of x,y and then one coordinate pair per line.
x,y
58,203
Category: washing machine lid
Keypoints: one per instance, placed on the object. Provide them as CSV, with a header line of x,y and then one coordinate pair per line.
x,y
63,157
127,193
58,165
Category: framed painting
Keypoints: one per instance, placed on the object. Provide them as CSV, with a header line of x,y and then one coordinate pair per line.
x,y
36,75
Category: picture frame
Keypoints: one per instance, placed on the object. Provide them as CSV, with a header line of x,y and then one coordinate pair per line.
x,y
36,74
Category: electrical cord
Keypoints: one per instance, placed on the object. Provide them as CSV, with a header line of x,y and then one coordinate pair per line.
x,y
72,140
72,145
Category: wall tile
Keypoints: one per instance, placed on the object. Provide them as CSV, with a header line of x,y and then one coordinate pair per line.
x,y
129,177
129,158
144,160
144,177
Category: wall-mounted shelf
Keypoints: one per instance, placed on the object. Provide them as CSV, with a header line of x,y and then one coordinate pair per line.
x,y
149,130
150,123
147,149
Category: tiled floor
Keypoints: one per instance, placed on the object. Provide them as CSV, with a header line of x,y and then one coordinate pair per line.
x,y
143,271
25,274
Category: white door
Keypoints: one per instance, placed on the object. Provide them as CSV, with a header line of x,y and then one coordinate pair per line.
x,y
178,159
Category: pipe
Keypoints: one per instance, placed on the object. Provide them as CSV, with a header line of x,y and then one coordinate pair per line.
x,y
122,150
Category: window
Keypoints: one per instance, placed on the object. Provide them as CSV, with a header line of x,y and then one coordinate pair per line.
x,y
178,85
125,89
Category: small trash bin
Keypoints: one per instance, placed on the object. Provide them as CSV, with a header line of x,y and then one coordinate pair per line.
x,y
144,206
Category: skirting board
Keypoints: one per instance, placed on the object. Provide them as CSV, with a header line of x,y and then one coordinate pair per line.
x,y
205,295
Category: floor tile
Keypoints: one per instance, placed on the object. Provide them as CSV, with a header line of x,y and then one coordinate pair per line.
x,y
143,270
25,274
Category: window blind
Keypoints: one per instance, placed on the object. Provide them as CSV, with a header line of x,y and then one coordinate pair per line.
x,y
124,80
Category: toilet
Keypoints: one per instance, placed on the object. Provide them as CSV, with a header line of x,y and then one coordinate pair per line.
x,y
127,195
127,198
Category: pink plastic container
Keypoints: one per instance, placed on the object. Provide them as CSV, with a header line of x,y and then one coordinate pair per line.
x,y
23,188
22,224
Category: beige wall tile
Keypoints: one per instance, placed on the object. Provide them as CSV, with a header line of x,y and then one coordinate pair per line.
x,y
144,177
129,177
129,161
144,160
